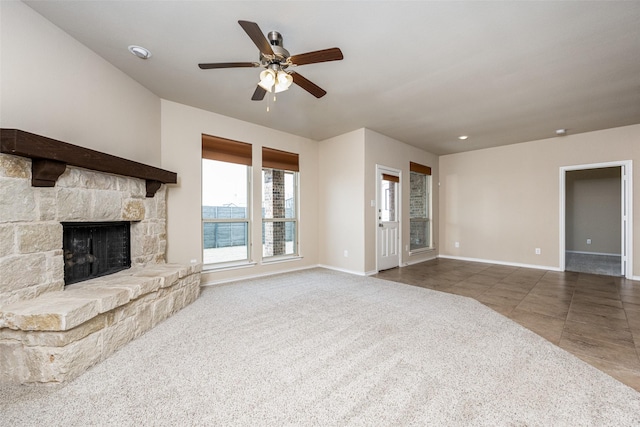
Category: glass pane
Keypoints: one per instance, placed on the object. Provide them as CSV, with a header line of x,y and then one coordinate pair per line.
x,y
388,198
224,242
278,238
419,234
224,185
225,196
418,199
278,194
289,195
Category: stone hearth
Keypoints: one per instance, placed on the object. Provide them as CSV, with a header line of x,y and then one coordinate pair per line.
x,y
58,335
52,333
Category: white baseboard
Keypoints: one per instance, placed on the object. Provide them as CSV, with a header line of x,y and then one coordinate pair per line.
x,y
510,264
418,261
255,276
344,270
369,273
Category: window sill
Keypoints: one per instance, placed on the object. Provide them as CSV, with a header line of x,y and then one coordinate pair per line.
x,y
227,266
276,260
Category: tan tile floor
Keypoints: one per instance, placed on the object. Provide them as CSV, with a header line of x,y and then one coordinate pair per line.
x,y
596,318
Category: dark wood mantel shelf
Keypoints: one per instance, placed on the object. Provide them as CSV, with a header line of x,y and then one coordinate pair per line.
x,y
49,159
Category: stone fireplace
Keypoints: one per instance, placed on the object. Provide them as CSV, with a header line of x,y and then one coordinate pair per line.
x,y
52,333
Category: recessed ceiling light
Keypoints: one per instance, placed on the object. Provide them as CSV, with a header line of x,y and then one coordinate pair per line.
x,y
463,137
140,52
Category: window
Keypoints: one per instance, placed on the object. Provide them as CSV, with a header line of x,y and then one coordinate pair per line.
x,y
420,207
279,203
388,190
226,171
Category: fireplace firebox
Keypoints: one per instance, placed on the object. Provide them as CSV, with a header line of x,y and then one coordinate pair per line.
x,y
94,249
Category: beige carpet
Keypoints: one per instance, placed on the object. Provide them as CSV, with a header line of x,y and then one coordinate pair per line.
x,y
326,348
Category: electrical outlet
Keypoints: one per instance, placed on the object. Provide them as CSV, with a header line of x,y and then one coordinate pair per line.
x,y
537,251
456,244
588,241
346,253
406,248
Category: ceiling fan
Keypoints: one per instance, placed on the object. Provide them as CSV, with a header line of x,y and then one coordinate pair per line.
x,y
275,60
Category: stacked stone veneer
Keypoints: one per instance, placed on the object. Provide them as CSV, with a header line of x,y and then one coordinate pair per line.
x,y
42,323
274,207
31,259
58,335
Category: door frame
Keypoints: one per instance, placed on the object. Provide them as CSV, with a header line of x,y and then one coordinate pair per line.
x,y
380,169
626,196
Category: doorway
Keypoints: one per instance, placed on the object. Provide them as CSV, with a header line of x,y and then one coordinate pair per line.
x,y
595,207
388,218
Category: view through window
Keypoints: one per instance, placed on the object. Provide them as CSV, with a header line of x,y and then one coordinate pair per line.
x,y
279,213
225,211
420,207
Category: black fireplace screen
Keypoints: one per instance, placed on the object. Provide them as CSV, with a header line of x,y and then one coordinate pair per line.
x,y
93,249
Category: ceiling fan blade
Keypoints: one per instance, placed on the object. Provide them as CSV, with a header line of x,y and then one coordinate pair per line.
x,y
309,86
325,55
259,94
256,34
228,65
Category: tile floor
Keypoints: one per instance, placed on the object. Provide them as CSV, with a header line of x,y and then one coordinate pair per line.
x,y
596,318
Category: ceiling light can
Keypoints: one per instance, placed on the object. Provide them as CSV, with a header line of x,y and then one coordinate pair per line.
x,y
140,52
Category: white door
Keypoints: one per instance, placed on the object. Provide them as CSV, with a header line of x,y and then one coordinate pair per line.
x,y
388,224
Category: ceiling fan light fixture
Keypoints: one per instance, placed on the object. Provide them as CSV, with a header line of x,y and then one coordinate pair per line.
x,y
283,81
267,79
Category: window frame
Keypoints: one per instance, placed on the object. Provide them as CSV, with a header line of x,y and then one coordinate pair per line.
x,y
425,172
230,152
294,219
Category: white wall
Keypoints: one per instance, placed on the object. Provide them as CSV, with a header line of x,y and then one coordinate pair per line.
x,y
502,203
341,201
52,85
182,129
385,151
347,186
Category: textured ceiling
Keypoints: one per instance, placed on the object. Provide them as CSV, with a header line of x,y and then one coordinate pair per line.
x,y
420,72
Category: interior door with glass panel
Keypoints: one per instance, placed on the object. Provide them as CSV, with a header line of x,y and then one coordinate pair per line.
x,y
388,252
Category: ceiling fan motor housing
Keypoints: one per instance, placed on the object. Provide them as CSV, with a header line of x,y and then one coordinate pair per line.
x,y
275,38
281,54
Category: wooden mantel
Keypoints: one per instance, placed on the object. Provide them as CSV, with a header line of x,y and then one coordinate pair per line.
x,y
49,159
